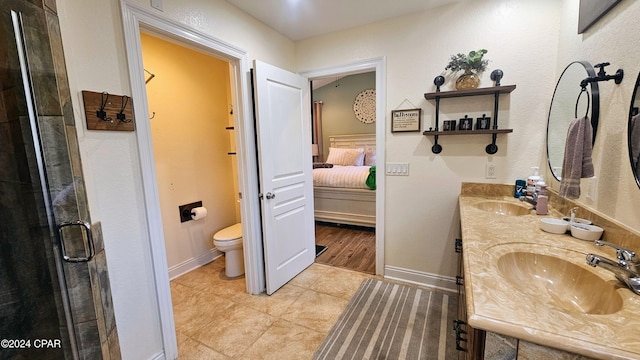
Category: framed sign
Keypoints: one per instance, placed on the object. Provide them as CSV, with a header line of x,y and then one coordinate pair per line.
x,y
405,120
591,11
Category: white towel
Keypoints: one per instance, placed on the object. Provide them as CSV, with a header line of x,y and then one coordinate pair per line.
x,y
577,161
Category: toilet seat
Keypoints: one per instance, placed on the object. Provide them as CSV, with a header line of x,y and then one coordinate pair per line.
x,y
233,232
227,243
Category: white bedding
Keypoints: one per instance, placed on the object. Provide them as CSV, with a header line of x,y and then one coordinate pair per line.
x,y
354,177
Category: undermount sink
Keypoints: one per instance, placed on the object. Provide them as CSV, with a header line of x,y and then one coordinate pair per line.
x,y
552,280
504,208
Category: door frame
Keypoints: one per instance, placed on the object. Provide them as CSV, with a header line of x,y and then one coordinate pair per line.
x,y
135,19
379,65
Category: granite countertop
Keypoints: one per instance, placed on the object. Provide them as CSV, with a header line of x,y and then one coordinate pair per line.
x,y
608,330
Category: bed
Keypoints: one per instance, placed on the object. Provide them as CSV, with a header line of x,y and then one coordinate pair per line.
x,y
343,202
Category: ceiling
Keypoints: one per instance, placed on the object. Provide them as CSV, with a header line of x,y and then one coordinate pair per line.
x,y
301,19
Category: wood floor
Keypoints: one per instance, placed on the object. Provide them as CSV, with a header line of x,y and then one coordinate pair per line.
x,y
348,247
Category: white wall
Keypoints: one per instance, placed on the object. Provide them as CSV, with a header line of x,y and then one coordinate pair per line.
x,y
95,56
521,36
613,39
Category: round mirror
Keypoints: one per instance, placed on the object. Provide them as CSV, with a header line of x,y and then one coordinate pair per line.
x,y
634,133
570,102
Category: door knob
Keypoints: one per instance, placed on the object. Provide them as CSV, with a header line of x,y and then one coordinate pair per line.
x,y
270,195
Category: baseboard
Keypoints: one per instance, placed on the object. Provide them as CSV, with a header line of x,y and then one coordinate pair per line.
x,y
193,263
440,282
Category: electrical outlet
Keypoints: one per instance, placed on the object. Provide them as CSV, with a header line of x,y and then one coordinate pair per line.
x,y
490,171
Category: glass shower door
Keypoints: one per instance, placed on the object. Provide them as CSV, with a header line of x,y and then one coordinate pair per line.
x,y
55,295
33,321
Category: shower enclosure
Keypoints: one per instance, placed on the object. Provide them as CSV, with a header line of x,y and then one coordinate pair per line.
x,y
55,299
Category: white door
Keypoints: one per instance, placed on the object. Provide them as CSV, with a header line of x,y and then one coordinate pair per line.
x,y
283,126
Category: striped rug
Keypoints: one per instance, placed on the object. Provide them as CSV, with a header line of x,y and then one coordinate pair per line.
x,y
392,321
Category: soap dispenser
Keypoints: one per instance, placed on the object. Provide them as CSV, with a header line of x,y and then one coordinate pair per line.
x,y
539,184
532,180
542,205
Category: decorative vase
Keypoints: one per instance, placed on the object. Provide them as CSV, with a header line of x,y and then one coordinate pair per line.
x,y
467,81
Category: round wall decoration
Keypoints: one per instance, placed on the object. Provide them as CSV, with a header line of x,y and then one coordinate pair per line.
x,y
365,106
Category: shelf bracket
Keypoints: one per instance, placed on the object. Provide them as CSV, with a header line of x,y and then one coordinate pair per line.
x,y
493,148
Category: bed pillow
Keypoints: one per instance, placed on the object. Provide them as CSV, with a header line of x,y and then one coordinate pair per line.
x,y
370,157
346,157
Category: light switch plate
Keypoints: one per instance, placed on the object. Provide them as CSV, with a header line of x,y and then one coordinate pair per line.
x,y
397,169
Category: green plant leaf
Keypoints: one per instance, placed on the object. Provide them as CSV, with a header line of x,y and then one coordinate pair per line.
x,y
473,62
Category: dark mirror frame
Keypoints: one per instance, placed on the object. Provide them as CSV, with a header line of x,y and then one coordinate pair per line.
x,y
633,111
594,104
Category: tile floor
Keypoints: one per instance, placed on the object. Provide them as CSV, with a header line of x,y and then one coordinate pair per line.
x,y
216,319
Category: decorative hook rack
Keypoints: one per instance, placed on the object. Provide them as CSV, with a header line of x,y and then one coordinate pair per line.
x,y
101,111
602,76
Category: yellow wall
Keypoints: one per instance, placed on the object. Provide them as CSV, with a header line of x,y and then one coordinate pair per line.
x,y
189,96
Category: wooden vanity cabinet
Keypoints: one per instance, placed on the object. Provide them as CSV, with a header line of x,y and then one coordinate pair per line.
x,y
469,341
477,344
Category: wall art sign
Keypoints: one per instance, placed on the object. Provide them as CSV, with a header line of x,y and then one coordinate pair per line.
x,y
405,120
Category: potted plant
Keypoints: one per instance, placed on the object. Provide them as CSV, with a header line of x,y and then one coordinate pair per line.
x,y
472,64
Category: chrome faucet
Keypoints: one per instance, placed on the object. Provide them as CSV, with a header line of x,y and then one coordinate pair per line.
x,y
627,269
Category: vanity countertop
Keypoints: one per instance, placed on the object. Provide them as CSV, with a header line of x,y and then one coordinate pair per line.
x,y
507,307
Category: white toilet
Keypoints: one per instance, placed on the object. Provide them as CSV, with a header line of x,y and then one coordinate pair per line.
x,y
229,241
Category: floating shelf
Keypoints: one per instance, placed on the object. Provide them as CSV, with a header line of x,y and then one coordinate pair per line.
x,y
472,92
494,131
468,132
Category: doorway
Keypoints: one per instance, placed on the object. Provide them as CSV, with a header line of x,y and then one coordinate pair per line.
x,y
376,66
135,20
344,203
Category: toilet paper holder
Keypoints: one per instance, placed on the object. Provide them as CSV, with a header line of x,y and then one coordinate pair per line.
x,y
185,210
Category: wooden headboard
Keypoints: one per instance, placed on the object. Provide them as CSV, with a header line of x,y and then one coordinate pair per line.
x,y
365,141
